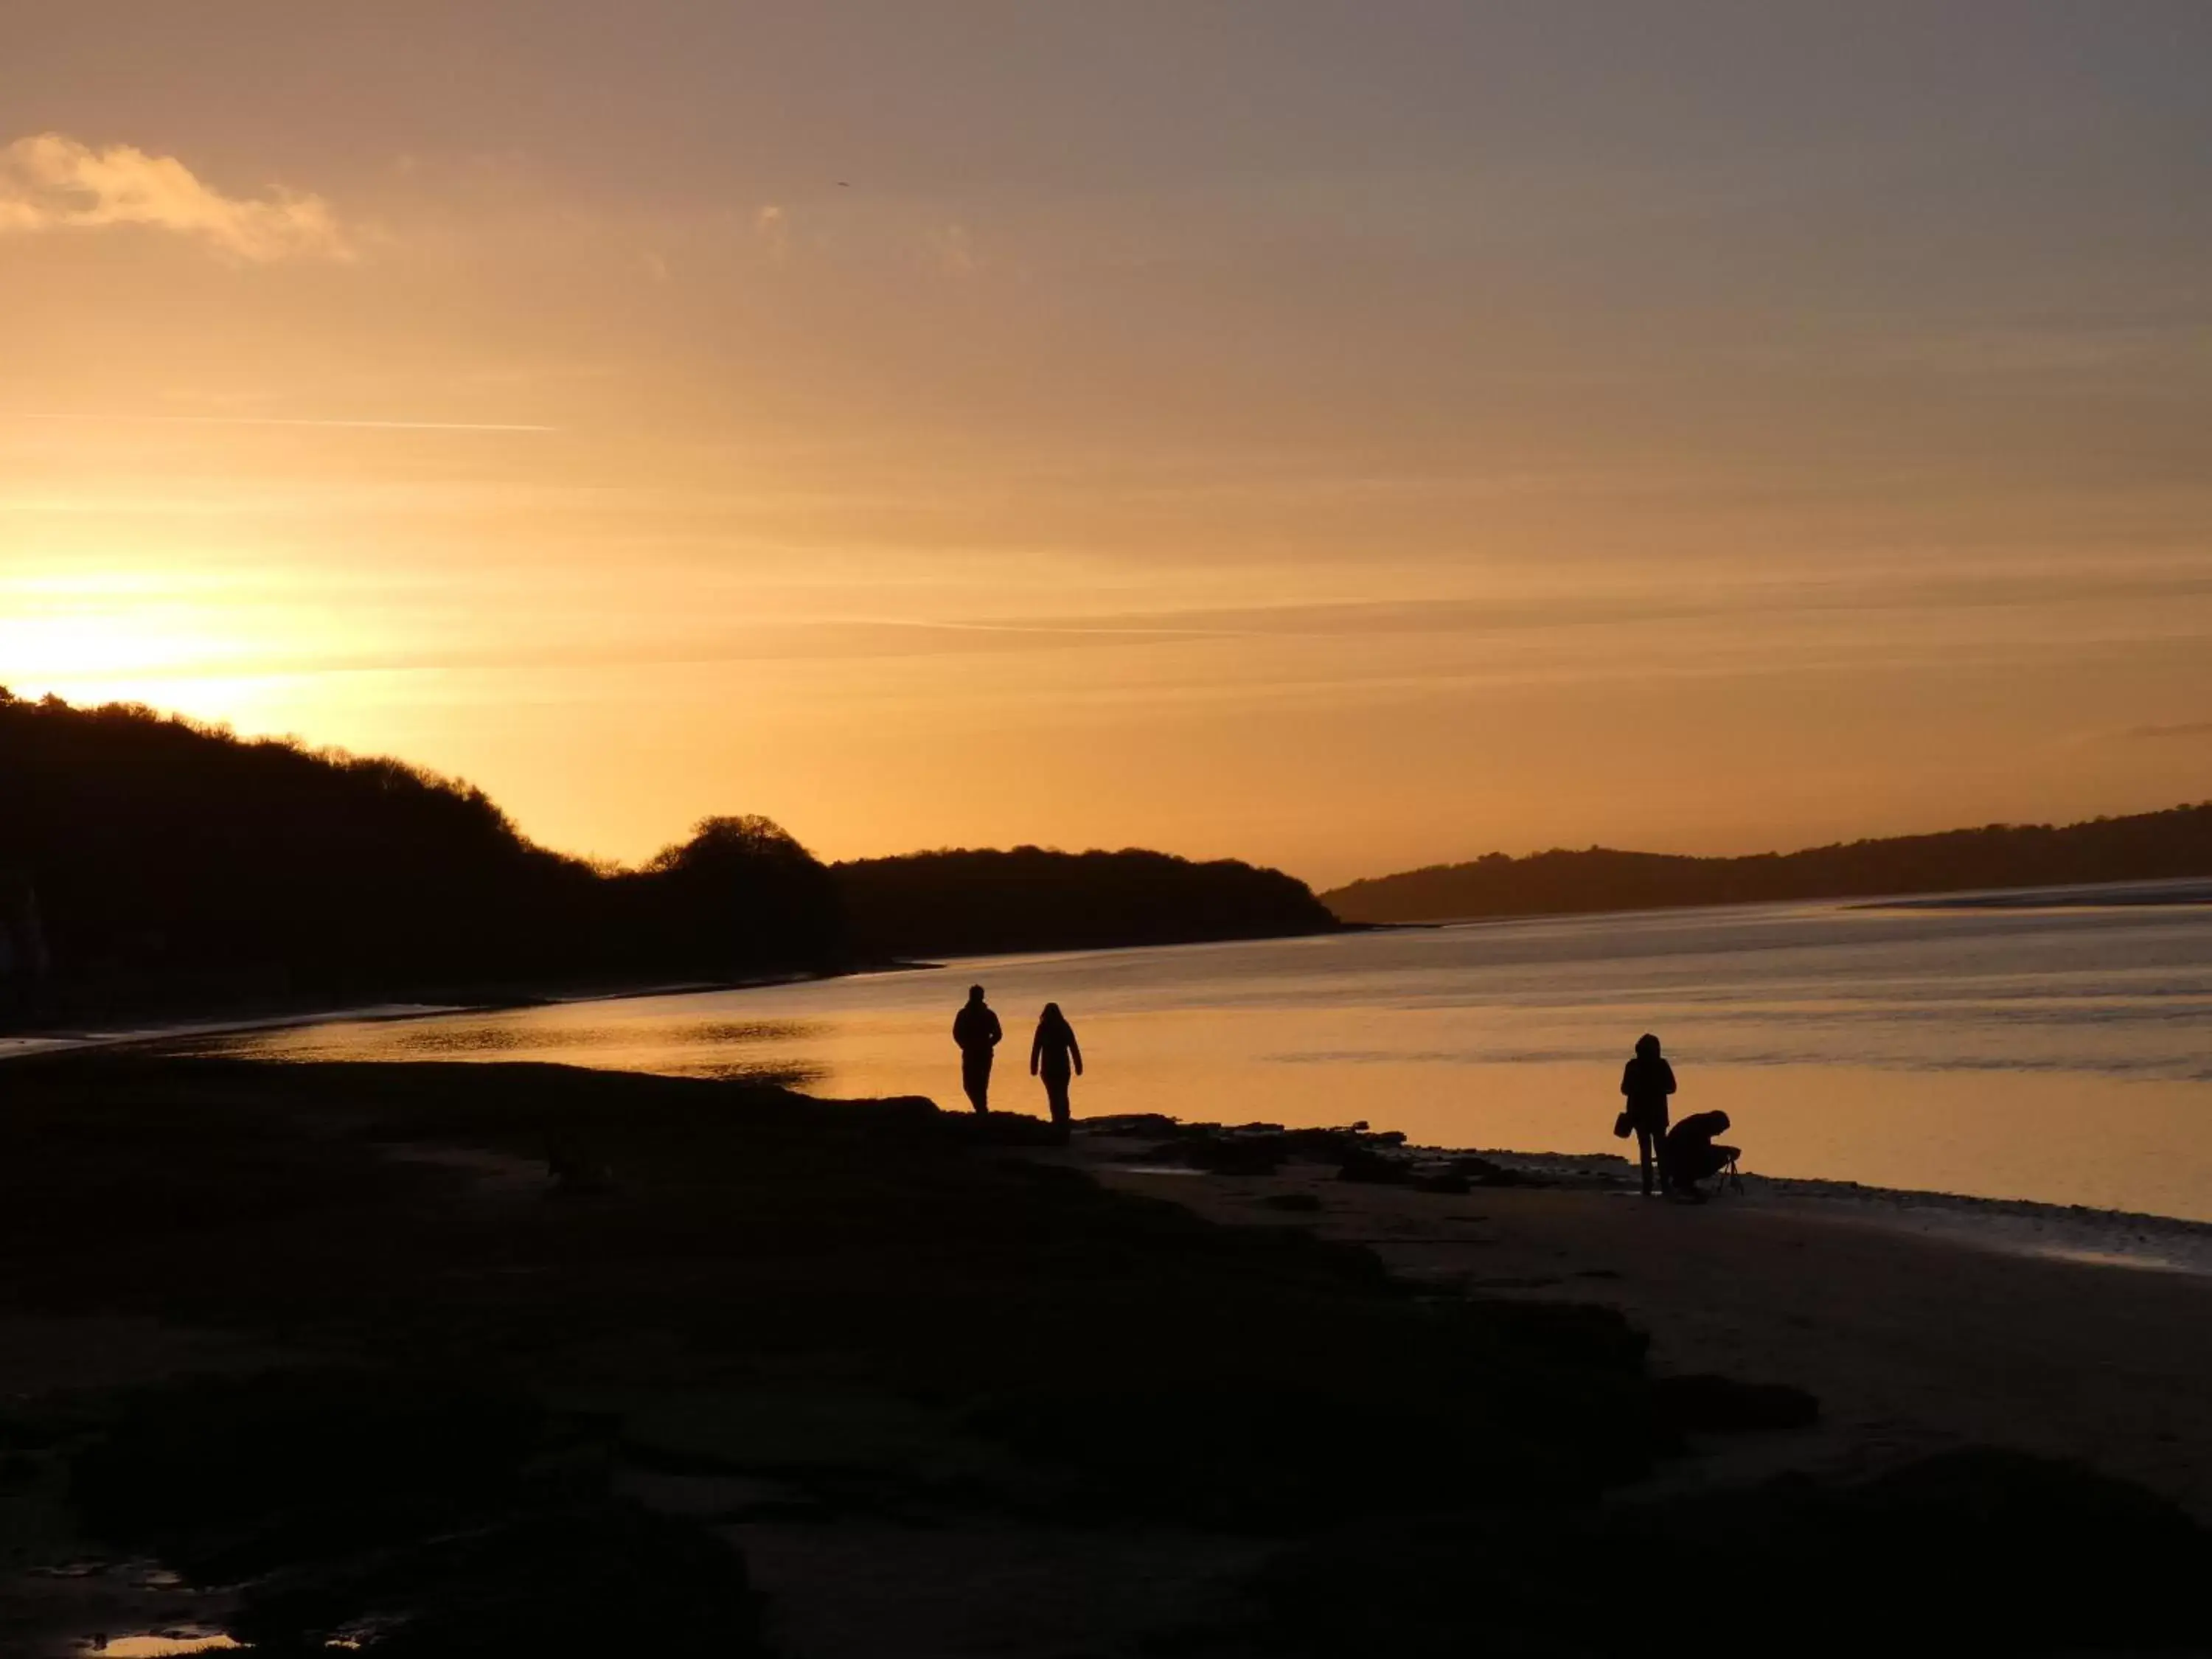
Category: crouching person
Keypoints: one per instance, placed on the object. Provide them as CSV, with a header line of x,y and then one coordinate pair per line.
x,y
1691,1154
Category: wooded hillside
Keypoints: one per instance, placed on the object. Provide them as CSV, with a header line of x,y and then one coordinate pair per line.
x,y
2147,846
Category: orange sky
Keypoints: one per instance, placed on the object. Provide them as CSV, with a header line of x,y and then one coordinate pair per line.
x,y
1346,437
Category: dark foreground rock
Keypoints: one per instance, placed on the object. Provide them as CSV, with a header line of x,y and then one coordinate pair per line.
x,y
501,1414
443,1302
1357,1153
1703,1403
415,1516
1969,1552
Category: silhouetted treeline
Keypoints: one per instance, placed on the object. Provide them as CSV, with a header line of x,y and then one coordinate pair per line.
x,y
2150,846
147,861
150,864
975,903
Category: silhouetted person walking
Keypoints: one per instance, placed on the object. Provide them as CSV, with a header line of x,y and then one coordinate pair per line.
x,y
1647,1080
976,1029
1051,1051
1690,1155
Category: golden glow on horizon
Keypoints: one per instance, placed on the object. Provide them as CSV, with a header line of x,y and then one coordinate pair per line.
x,y
94,643
1411,467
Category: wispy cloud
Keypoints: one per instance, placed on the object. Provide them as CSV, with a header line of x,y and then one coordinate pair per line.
x,y
2186,729
287,420
49,182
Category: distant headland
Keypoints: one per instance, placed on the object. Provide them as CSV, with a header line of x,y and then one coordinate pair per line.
x,y
2175,845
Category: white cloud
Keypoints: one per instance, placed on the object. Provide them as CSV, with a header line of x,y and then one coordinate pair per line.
x,y
772,225
49,182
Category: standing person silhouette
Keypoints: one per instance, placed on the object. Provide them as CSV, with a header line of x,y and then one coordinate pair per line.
x,y
1050,1051
1647,1080
976,1029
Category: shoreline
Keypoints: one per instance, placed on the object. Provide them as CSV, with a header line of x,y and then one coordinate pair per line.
x,y
2155,892
2010,1226
938,1385
1921,1323
2142,1239
53,1040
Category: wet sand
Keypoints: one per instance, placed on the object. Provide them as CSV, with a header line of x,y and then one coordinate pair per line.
x,y
1920,1323
946,1402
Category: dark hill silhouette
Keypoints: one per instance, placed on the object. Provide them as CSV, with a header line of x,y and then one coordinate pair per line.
x,y
977,903
2149,846
149,864
153,862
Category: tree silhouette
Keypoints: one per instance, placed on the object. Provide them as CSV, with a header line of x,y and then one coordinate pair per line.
x,y
174,866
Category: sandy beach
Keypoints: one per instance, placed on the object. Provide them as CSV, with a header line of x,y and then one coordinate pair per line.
x,y
846,1379
1919,1322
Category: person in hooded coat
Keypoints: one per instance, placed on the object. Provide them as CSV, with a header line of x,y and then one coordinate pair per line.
x,y
1646,1082
1053,1050
1691,1154
976,1029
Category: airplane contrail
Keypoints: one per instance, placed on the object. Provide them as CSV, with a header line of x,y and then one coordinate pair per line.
x,y
286,420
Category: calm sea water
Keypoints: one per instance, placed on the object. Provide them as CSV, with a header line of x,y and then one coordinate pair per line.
x,y
2057,1055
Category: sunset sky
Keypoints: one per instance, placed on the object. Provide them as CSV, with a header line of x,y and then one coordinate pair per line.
x,y
1345,436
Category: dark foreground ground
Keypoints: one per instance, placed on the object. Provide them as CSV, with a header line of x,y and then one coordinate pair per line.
x,y
492,1360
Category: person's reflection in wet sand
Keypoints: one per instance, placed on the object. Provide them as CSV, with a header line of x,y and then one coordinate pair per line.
x,y
976,1029
1051,1051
